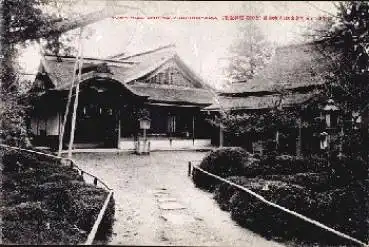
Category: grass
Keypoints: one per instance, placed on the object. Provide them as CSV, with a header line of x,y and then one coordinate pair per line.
x,y
46,203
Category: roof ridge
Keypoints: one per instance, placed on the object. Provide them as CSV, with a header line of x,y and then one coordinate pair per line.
x,y
314,42
89,58
143,53
165,86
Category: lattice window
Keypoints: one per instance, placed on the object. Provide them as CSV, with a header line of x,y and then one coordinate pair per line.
x,y
171,124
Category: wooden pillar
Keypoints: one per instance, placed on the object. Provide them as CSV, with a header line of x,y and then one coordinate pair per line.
x,y
364,134
277,141
221,136
119,126
193,129
45,126
299,134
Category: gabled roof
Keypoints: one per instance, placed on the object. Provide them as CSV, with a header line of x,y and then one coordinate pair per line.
x,y
128,70
260,102
157,93
163,51
291,67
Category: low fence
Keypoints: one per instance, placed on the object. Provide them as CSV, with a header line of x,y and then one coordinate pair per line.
x,y
192,166
95,180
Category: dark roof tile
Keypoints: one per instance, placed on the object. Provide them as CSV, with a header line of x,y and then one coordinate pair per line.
x,y
291,67
260,102
164,93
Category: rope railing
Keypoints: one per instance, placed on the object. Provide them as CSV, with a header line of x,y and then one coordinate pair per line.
x,y
96,180
191,168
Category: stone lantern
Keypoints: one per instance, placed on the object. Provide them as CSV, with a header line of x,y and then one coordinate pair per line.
x,y
330,112
145,123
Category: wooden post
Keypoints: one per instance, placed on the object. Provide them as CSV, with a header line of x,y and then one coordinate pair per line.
x,y
364,134
277,140
298,141
189,168
66,113
220,136
75,106
144,140
193,129
119,125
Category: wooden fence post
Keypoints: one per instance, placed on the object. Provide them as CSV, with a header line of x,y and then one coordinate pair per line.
x,y
189,168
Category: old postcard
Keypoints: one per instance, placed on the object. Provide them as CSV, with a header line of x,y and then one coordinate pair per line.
x,y
184,123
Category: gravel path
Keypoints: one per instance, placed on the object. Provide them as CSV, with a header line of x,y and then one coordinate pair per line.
x,y
157,204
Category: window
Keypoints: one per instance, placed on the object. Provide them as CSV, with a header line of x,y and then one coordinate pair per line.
x,y
171,124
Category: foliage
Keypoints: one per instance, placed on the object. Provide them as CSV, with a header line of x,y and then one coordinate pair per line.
x,y
223,162
47,203
142,113
247,54
321,190
241,129
345,45
13,114
286,164
20,21
258,122
332,207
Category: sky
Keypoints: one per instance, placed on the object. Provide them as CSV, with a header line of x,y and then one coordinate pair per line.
x,y
200,43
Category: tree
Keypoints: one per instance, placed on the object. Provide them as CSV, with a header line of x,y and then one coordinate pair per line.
x,y
248,53
23,22
345,43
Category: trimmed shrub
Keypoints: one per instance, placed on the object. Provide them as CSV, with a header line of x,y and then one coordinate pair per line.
x,y
224,162
287,164
344,209
47,203
311,180
349,168
106,226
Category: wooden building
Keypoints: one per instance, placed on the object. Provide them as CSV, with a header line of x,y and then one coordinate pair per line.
x,y
113,92
294,79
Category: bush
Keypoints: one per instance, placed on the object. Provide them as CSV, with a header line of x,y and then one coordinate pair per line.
x,y
349,168
334,193
344,209
47,203
287,164
333,208
311,180
223,162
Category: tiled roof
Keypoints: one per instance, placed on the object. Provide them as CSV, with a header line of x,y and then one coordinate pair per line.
x,y
61,72
165,93
291,67
128,70
125,69
260,102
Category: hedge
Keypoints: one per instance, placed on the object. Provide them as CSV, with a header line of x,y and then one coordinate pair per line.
x,y
344,209
46,203
223,162
335,193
